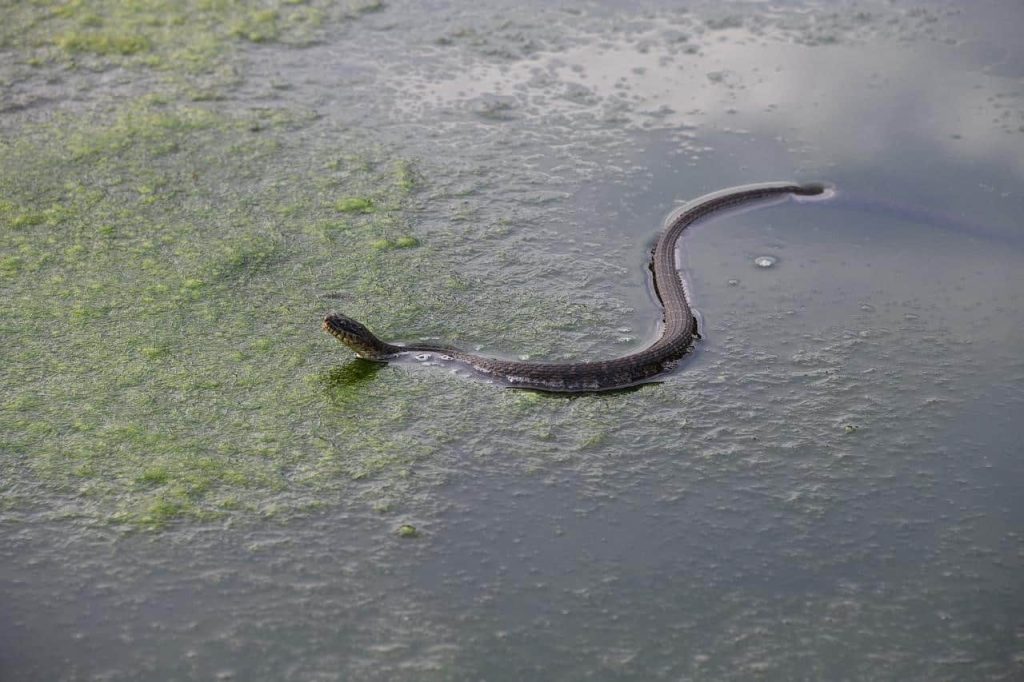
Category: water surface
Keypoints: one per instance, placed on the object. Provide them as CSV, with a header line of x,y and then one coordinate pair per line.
x,y
198,483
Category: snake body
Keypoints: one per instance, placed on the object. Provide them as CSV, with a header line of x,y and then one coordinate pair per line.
x,y
677,334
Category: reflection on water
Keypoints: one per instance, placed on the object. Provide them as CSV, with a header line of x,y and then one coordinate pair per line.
x,y
828,489
346,378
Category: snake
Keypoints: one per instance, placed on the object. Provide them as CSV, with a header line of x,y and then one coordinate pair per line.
x,y
678,329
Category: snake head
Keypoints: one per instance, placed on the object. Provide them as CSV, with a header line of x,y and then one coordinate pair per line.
x,y
356,336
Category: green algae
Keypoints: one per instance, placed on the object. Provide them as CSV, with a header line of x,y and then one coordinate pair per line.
x,y
190,36
165,268
156,325
405,242
355,205
103,43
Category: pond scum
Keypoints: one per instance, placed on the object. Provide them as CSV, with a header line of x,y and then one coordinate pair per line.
x,y
164,272
167,255
190,36
164,264
153,333
157,341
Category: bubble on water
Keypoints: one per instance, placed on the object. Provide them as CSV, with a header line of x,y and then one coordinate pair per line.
x,y
765,261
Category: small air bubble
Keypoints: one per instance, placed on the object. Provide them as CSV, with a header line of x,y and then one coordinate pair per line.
x,y
765,261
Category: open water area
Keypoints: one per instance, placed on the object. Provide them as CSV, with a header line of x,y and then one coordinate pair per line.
x,y
197,483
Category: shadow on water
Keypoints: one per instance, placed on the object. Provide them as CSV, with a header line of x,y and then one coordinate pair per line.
x,y
342,382
572,395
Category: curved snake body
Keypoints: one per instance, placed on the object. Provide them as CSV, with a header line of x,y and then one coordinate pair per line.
x,y
677,334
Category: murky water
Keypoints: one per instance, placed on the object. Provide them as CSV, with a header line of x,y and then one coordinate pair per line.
x,y
198,483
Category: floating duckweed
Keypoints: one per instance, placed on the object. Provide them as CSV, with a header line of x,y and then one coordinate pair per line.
x,y
155,476
400,243
28,219
103,43
171,363
355,205
230,503
258,27
161,512
404,176
184,35
208,267
155,352
10,265
84,313
22,402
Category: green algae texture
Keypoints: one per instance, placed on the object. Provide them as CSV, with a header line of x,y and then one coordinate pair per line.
x,y
194,35
163,358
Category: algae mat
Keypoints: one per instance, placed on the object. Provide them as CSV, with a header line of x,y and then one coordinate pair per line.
x,y
164,264
167,257
160,321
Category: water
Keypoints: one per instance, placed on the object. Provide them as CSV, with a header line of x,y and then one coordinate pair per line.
x,y
195,482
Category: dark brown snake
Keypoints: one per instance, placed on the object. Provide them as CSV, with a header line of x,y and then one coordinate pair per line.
x,y
677,334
